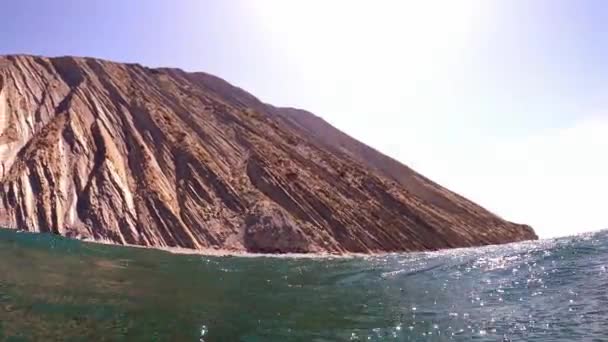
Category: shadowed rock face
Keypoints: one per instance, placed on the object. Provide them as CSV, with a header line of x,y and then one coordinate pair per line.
x,y
161,157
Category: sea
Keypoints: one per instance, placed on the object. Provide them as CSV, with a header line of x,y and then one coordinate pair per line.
x,y
57,289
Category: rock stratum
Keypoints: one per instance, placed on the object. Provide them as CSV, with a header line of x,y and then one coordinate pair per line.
x,y
127,154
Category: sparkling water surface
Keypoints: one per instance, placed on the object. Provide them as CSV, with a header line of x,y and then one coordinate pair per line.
x,y
53,288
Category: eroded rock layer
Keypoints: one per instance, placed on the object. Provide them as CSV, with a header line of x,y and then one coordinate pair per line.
x,y
160,157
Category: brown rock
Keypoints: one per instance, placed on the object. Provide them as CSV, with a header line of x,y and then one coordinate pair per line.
x,y
160,157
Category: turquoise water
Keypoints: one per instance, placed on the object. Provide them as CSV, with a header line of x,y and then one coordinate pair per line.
x,y
52,288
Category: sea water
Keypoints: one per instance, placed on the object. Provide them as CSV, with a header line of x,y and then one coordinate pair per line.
x,y
52,288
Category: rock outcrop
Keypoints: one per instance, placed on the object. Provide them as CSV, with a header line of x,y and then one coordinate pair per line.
x,y
161,157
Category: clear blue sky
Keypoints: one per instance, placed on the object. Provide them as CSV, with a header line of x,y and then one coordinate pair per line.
x,y
502,101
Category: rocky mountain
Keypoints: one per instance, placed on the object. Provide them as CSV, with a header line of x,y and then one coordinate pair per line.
x,y
160,157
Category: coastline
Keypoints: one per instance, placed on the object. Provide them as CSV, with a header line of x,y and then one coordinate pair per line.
x,y
217,252
212,252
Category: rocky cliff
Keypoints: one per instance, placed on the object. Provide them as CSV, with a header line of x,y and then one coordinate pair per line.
x,y
160,157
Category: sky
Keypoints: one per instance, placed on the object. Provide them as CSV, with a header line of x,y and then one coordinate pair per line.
x,y
501,101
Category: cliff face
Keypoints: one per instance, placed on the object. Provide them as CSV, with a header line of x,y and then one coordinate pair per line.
x,y
161,157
